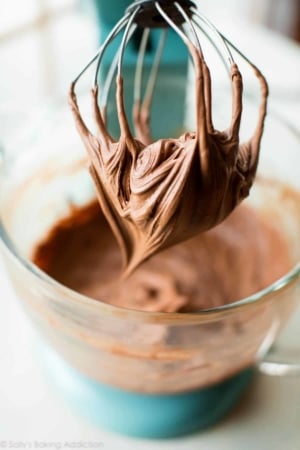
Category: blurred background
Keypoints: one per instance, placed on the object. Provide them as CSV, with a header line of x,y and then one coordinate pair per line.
x,y
43,43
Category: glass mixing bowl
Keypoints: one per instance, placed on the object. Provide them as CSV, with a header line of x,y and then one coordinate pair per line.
x,y
141,373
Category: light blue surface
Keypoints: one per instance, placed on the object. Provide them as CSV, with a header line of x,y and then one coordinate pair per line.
x,y
143,415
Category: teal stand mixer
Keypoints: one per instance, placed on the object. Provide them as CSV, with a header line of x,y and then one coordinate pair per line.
x,y
152,416
128,412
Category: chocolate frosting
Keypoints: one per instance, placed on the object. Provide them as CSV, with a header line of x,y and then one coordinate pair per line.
x,y
80,252
157,194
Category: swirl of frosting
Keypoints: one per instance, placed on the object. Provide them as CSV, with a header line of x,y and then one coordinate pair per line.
x,y
156,194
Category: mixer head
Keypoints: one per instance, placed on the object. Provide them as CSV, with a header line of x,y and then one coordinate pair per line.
x,y
149,16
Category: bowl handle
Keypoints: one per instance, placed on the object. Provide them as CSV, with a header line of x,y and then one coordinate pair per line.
x,y
272,361
278,368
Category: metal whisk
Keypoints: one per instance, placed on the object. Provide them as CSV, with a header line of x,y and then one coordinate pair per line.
x,y
158,193
182,17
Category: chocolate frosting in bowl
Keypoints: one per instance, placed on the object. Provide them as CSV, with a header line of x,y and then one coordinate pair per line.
x,y
157,194
237,258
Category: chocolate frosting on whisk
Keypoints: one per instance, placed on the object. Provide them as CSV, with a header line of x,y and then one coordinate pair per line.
x,y
157,194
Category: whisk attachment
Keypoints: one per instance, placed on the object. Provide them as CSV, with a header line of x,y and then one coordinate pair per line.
x,y
157,193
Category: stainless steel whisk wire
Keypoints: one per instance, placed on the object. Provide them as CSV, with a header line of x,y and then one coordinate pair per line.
x,y
188,31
